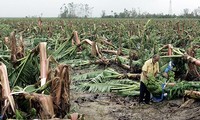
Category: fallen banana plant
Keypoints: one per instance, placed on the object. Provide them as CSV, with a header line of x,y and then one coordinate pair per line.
x,y
192,94
63,51
103,81
177,90
86,76
27,72
123,87
119,61
101,76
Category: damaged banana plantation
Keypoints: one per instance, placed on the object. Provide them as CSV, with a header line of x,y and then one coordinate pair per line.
x,y
43,61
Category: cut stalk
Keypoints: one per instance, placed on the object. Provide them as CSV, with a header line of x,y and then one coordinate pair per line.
x,y
95,51
6,87
169,49
43,62
13,47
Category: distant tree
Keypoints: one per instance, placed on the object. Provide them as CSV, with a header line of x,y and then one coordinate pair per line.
x,y
126,13
116,15
186,12
133,13
87,10
122,15
80,12
64,13
103,14
72,10
197,12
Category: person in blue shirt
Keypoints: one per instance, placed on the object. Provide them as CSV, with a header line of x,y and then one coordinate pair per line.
x,y
167,69
165,74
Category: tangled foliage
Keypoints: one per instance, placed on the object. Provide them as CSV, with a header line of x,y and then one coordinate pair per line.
x,y
154,85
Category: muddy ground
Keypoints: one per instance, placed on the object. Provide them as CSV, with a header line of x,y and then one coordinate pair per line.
x,y
108,106
114,107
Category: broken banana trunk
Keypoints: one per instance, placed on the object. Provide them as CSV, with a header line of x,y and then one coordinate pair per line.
x,y
192,94
60,91
5,96
43,103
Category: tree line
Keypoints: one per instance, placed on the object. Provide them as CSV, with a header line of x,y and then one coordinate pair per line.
x,y
135,14
72,10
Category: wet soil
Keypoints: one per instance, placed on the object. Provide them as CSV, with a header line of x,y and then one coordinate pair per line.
x,y
114,107
109,106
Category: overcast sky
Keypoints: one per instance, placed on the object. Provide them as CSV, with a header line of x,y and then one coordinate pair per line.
x,y
51,8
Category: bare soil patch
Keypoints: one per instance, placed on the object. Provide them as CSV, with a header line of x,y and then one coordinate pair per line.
x,y
114,107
